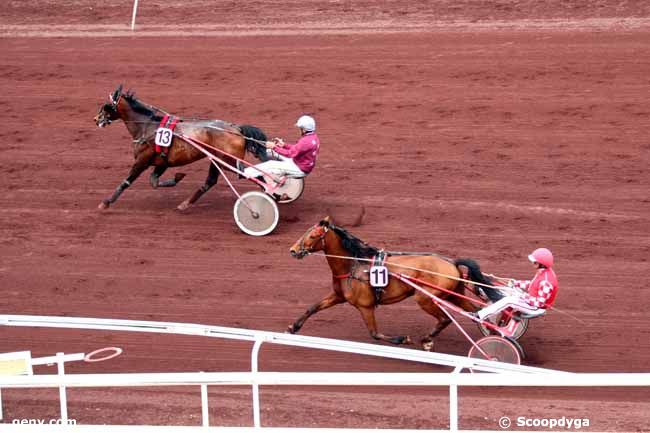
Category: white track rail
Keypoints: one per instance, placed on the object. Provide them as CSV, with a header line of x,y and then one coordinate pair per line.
x,y
326,379
517,375
260,337
452,380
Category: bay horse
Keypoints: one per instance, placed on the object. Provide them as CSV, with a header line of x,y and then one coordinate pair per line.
x,y
350,279
142,121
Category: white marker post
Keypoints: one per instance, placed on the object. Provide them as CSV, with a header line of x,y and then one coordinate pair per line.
x,y
62,397
135,10
60,359
205,412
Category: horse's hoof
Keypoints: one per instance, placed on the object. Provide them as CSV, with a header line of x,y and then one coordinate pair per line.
x,y
427,346
178,177
290,330
184,206
103,205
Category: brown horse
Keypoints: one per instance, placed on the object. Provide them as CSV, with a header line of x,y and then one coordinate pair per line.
x,y
143,120
350,279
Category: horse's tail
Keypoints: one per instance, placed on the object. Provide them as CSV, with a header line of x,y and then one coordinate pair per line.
x,y
255,139
477,276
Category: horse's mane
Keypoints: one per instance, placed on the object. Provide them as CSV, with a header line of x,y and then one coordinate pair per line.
x,y
140,107
353,244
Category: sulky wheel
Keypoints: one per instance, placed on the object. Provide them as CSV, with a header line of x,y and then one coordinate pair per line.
x,y
520,330
291,189
497,349
256,213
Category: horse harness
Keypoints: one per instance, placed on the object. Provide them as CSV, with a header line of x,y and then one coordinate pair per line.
x,y
364,267
378,260
168,122
321,234
360,271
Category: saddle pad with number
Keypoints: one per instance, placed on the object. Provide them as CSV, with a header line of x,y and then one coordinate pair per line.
x,y
378,275
165,132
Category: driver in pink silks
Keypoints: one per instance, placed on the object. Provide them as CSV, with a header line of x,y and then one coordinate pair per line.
x,y
293,159
541,290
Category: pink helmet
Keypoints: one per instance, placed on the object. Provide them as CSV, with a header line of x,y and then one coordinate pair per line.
x,y
543,256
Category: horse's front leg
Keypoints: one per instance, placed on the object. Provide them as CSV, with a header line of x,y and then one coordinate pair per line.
x,y
327,302
157,183
368,314
141,164
210,181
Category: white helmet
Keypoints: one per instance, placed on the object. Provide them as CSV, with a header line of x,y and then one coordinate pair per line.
x,y
307,123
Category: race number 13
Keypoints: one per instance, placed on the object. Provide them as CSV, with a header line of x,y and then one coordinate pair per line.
x,y
164,137
378,276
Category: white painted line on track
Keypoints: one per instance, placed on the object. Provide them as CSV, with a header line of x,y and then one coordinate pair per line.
x,y
336,27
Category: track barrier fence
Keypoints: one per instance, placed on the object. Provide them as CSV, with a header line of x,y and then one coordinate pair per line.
x,y
506,374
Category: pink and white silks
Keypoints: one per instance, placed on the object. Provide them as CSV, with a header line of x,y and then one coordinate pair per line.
x,y
542,290
297,159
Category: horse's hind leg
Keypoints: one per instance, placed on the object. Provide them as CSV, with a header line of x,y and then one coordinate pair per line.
x,y
465,304
443,320
157,183
327,302
368,314
136,170
213,176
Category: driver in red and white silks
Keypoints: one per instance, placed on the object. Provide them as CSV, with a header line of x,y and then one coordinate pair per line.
x,y
541,290
297,159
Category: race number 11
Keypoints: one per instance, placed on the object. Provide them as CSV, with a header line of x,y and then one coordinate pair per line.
x,y
164,137
378,276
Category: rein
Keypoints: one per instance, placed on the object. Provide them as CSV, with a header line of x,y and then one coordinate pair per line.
x,y
180,119
239,134
410,268
401,277
185,119
402,253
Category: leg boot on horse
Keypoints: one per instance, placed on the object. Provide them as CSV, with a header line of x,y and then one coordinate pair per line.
x,y
142,161
210,181
328,301
158,172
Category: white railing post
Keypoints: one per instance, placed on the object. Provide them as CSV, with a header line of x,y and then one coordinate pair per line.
x,y
453,403
62,397
256,387
135,10
205,413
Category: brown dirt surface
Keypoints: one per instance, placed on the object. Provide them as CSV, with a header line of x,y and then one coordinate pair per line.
x,y
477,129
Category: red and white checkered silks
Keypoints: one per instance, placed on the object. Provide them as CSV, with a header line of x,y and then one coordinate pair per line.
x,y
542,289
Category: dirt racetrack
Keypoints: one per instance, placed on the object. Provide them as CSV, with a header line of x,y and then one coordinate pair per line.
x,y
470,128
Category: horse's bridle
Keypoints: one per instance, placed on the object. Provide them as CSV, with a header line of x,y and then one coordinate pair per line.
x,y
105,118
302,252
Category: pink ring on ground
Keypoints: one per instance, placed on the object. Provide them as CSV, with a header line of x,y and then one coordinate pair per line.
x,y
116,352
